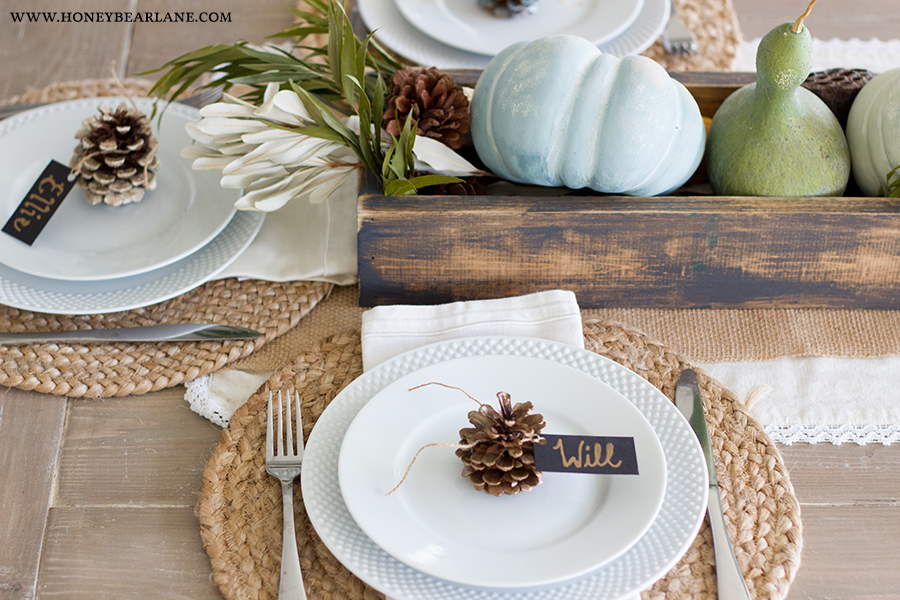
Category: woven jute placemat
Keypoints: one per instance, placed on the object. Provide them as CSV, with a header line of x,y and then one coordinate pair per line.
x,y
714,23
123,369
240,512
89,88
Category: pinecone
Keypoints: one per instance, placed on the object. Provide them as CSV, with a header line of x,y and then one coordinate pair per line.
x,y
498,453
116,159
434,100
838,88
509,8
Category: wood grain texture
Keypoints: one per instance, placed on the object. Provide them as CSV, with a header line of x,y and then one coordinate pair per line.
x,y
110,553
147,450
31,427
41,53
678,251
846,475
153,44
614,251
863,19
849,553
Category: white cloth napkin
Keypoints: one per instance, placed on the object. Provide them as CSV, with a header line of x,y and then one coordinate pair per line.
x,y
305,242
391,330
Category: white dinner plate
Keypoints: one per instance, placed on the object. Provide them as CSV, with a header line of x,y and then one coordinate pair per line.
x,y
657,551
399,35
89,243
465,25
54,296
438,523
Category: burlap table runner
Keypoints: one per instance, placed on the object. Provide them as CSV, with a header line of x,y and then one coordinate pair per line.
x,y
702,335
101,370
240,514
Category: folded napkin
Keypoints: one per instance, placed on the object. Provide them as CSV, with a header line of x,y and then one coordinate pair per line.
x,y
391,330
300,242
303,241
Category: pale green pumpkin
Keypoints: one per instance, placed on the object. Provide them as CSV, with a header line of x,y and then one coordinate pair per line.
x,y
774,137
558,112
873,131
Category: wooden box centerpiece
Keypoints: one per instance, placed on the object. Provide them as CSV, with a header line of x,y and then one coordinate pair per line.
x,y
686,250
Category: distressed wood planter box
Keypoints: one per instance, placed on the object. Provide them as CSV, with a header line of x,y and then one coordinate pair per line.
x,y
680,251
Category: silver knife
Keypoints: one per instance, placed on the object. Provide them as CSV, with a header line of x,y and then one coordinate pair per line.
x,y
183,332
729,579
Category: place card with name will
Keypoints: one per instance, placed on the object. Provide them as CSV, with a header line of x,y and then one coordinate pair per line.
x,y
42,200
586,454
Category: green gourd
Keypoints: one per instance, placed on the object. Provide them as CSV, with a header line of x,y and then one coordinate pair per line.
x,y
774,137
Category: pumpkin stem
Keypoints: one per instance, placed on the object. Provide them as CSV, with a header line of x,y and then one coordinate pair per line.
x,y
798,24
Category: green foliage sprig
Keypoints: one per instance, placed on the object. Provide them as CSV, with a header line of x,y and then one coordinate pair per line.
x,y
893,190
345,77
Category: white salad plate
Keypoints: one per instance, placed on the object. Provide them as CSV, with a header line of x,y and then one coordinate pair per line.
x,y
395,32
55,296
465,25
82,242
438,523
658,550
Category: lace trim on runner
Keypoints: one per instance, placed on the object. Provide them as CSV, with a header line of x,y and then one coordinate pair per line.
x,y
873,54
203,403
834,434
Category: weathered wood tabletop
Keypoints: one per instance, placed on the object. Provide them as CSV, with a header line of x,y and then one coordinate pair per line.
x,y
97,496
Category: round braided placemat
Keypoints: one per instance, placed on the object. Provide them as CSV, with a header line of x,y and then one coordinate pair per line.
x,y
123,369
90,88
240,515
714,23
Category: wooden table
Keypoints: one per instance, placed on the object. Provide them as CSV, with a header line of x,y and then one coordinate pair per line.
x,y
97,496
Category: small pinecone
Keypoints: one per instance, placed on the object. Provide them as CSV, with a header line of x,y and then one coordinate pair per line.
x,y
470,186
509,8
116,159
838,88
434,100
498,456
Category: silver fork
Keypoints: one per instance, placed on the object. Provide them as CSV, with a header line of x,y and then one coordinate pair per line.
x,y
677,38
283,461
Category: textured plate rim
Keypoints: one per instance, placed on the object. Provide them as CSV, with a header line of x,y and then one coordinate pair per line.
x,y
394,32
137,291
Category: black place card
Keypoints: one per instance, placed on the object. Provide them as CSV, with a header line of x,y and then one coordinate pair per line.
x,y
40,203
586,454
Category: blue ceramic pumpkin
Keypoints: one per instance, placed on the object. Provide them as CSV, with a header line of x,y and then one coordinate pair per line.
x,y
558,112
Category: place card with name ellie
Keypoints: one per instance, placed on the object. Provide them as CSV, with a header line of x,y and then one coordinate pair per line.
x,y
39,204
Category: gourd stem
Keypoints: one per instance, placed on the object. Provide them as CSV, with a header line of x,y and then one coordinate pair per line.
x,y
798,24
